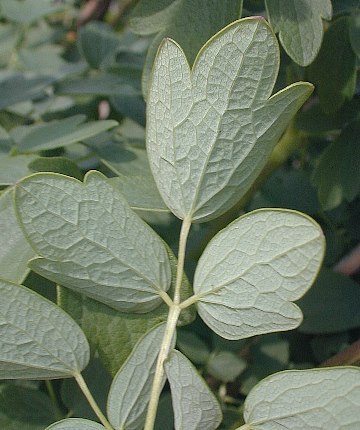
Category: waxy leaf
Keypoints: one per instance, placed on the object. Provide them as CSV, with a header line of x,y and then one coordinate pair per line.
x,y
90,240
251,271
300,26
211,129
76,424
38,339
195,406
15,251
30,138
113,334
305,399
131,388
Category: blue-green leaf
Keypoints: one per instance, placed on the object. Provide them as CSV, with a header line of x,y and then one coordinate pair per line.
x,y
252,271
211,129
76,424
90,240
195,406
131,388
38,339
305,399
15,251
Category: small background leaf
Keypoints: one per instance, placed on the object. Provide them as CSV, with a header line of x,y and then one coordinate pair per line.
x,y
334,76
299,25
168,18
98,43
56,134
337,174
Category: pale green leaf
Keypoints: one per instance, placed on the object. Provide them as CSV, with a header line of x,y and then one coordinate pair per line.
x,y
55,134
211,130
305,399
27,11
300,27
195,406
131,388
38,339
190,23
113,334
90,240
252,271
15,251
76,424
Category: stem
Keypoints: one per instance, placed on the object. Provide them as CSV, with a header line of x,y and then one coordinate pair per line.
x,y
159,372
84,388
170,329
185,228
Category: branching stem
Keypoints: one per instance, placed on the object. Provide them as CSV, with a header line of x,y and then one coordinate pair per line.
x,y
174,312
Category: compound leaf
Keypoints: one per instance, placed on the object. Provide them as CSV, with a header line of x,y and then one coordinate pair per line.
x,y
305,399
251,271
195,406
75,424
90,240
299,25
114,334
210,130
38,339
131,388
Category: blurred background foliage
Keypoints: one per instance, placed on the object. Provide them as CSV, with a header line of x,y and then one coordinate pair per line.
x,y
73,80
